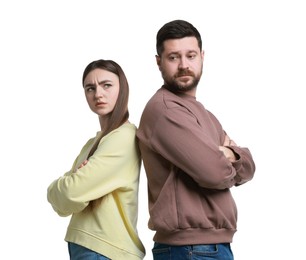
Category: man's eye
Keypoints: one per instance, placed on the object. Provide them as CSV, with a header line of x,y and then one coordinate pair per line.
x,y
173,57
192,56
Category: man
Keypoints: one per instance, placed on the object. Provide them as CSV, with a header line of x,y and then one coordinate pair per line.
x,y
190,161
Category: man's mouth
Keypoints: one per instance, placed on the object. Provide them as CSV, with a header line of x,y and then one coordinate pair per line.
x,y
184,74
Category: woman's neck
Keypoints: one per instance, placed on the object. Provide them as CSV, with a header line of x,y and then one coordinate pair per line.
x,y
103,122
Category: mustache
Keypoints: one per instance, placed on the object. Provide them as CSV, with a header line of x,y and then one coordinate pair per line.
x,y
184,72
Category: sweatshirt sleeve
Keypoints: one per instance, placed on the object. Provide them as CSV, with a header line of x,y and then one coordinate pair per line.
x,y
244,166
103,174
179,138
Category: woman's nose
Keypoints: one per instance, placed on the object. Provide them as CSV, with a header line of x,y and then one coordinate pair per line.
x,y
99,92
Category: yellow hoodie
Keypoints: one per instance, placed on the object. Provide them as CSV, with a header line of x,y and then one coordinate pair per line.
x,y
112,173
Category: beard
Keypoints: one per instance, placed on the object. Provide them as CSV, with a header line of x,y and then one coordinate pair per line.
x,y
175,84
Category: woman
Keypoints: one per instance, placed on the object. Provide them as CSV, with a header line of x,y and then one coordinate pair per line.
x,y
101,189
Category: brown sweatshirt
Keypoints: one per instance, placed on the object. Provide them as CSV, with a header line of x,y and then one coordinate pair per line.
x,y
188,176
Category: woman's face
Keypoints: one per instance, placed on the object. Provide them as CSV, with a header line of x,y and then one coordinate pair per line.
x,y
101,90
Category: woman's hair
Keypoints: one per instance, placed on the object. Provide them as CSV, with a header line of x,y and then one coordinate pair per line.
x,y
176,29
120,113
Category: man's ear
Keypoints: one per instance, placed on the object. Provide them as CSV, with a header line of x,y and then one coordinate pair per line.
x,y
202,54
157,60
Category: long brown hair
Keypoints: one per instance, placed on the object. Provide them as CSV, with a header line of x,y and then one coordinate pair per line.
x,y
120,113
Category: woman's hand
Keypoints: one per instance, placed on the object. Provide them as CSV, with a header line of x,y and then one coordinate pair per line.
x,y
83,164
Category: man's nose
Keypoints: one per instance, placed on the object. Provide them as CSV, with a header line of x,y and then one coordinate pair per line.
x,y
183,63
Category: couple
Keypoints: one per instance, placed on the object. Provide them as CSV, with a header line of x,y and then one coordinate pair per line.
x,y
190,162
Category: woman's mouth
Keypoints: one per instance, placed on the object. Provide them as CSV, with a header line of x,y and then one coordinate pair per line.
x,y
99,104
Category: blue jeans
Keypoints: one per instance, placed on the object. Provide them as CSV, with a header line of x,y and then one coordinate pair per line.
x,y
192,252
78,252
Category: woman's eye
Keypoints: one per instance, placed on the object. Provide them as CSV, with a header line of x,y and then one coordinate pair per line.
x,y
89,89
106,86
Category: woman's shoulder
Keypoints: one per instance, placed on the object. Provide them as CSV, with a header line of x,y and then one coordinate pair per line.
x,y
123,132
127,127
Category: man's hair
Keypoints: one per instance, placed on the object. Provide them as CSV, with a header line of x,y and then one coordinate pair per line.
x,y
176,29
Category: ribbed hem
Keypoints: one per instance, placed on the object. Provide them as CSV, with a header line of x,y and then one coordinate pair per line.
x,y
102,246
195,236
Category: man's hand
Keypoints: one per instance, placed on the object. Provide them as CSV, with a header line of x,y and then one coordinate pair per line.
x,y
229,154
228,141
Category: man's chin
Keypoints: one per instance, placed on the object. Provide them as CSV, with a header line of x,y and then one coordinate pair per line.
x,y
180,86
185,87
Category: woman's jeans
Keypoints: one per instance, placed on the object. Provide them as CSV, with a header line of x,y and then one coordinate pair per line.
x,y
78,252
192,252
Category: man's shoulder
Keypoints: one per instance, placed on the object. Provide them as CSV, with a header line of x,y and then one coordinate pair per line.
x,y
163,99
156,98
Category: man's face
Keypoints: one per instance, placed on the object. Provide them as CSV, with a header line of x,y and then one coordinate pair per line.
x,y
181,64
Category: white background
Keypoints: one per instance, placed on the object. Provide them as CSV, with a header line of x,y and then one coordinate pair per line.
x,y
253,81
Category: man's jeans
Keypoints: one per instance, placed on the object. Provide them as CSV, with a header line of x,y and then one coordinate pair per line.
x,y
78,252
192,252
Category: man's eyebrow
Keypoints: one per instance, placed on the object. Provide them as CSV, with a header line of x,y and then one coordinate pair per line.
x,y
179,52
174,53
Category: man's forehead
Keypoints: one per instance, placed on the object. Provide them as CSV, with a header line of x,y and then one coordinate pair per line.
x,y
186,44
